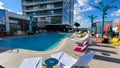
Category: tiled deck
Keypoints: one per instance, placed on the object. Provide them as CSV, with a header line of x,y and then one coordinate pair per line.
x,y
106,55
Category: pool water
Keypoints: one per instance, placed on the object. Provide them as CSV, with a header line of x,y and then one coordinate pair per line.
x,y
41,42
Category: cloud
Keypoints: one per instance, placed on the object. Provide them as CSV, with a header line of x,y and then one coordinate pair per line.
x,y
116,20
82,2
1,5
96,1
19,13
84,24
77,13
116,13
80,8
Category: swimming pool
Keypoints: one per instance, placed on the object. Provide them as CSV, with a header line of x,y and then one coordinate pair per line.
x,y
41,42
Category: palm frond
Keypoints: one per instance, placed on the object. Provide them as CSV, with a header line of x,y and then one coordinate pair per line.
x,y
101,4
109,7
98,7
95,17
92,17
110,2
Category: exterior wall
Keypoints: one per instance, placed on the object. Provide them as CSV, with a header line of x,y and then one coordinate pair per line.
x,y
49,11
97,26
13,18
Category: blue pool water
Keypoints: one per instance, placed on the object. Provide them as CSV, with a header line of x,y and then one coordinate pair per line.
x,y
42,42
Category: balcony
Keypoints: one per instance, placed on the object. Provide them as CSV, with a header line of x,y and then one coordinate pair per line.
x,y
41,2
43,9
48,15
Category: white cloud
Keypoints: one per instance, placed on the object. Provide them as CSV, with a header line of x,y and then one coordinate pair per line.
x,y
1,5
116,13
79,8
82,2
19,13
96,1
116,20
84,24
77,13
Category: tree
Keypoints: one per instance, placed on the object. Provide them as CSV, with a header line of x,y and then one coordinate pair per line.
x,y
92,17
77,25
104,8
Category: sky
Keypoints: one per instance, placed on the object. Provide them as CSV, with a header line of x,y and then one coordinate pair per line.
x,y
82,9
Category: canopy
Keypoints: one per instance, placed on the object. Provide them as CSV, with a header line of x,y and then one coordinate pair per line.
x,y
106,28
118,25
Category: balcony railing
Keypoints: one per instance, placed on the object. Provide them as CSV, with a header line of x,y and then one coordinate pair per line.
x,y
40,2
45,15
40,9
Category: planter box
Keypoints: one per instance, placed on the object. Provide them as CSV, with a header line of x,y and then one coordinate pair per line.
x,y
102,40
99,40
105,40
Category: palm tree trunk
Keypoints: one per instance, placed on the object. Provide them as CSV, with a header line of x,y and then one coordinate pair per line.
x,y
91,26
102,29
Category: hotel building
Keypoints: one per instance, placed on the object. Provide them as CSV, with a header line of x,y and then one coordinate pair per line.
x,y
49,11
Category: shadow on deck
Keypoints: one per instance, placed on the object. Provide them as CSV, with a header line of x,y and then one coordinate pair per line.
x,y
109,59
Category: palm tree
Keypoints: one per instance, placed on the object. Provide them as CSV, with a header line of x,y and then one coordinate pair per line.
x,y
92,17
104,8
77,25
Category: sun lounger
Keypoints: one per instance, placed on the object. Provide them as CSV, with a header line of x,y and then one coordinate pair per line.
x,y
83,49
32,63
81,40
86,42
19,32
66,61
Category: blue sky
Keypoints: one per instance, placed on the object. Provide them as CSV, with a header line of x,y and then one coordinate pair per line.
x,y
82,9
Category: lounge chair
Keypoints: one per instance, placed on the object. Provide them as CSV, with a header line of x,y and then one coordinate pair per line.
x,y
83,49
81,40
67,61
32,63
86,42
19,32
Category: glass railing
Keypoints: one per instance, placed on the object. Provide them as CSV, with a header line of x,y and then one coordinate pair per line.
x,y
42,8
42,1
47,14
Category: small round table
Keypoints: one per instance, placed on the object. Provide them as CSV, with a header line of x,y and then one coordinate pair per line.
x,y
50,62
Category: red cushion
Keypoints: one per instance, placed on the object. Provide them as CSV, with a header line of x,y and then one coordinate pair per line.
x,y
80,44
79,49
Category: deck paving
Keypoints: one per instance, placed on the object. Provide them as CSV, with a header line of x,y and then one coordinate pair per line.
x,y
106,55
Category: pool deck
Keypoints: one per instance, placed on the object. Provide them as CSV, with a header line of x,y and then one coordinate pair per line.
x,y
106,55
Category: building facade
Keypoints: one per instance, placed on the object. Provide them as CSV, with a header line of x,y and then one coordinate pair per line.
x,y
97,26
49,11
11,21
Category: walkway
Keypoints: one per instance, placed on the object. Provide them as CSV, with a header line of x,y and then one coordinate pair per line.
x,y
106,56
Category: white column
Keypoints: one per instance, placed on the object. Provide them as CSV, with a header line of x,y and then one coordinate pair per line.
x,y
7,21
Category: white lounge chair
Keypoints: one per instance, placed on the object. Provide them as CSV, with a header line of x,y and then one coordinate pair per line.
x,y
81,40
67,61
19,32
32,63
